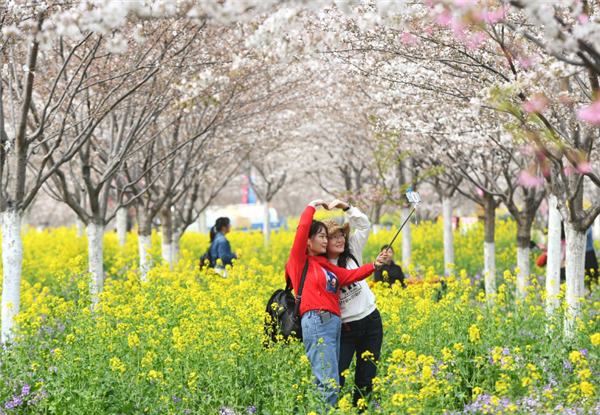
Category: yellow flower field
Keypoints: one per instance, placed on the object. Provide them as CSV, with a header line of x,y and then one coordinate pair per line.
x,y
190,341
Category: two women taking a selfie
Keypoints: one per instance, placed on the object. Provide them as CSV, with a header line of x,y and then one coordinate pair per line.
x,y
329,289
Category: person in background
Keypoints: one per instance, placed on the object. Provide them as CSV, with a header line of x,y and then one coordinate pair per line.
x,y
320,304
394,272
362,330
591,261
219,245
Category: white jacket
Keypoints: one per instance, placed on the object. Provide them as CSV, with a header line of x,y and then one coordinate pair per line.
x,y
356,300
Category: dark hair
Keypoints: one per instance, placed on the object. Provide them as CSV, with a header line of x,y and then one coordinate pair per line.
x,y
219,224
342,261
315,227
384,247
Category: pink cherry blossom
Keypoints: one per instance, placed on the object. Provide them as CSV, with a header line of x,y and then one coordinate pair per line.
x,y
496,15
464,3
444,19
409,39
583,18
458,28
540,156
476,41
529,180
584,168
537,104
526,62
546,171
590,114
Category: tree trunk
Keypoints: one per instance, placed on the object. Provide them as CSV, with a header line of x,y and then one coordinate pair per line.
x,y
144,242
575,271
167,233
176,252
553,264
448,235
596,229
523,240
202,223
489,245
80,226
122,225
12,260
95,235
266,223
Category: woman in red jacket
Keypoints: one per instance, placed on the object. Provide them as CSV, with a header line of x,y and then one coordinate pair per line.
x,y
319,307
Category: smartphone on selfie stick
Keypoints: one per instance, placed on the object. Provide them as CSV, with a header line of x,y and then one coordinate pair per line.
x,y
414,199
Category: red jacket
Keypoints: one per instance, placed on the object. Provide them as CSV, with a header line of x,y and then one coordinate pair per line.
x,y
319,293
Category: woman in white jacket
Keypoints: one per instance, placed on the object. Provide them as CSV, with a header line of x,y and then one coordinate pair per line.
x,y
362,330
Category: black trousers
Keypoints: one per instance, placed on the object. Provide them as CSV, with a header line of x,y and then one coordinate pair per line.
x,y
591,267
358,337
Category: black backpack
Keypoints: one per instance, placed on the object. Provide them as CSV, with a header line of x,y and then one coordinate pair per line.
x,y
207,257
283,318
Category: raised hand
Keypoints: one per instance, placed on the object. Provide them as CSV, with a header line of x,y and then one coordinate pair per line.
x,y
337,204
319,202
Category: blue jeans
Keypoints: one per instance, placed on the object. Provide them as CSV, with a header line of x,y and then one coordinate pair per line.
x,y
322,348
358,337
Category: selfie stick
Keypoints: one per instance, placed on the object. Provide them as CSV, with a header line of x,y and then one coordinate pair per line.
x,y
414,198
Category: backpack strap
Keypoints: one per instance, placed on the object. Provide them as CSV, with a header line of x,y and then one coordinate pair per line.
x,y
300,288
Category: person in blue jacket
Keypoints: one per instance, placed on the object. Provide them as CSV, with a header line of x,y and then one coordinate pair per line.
x,y
219,245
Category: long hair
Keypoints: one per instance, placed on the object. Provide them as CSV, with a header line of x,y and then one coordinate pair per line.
x,y
342,261
219,224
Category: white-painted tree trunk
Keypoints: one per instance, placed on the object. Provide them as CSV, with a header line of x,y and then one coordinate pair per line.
x,y
406,245
489,245
202,228
489,267
167,252
166,218
95,235
596,229
553,264
448,235
122,225
80,226
266,223
12,261
176,248
145,243
524,271
575,272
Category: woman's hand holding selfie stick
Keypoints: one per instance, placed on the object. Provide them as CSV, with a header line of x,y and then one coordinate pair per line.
x,y
381,260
